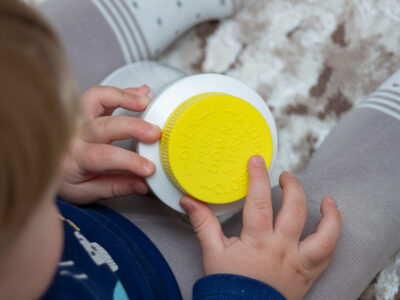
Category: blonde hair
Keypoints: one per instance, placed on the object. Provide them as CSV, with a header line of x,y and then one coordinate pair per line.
x,y
38,104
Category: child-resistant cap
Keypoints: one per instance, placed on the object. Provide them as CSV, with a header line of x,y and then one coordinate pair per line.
x,y
207,142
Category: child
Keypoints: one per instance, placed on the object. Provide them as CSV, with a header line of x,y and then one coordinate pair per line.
x,y
54,250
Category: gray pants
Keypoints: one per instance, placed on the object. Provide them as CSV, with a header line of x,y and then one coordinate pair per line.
x,y
358,164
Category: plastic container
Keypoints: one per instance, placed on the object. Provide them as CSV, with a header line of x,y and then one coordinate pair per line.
x,y
212,124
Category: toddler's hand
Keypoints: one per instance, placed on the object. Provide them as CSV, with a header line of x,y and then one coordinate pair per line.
x,y
93,169
269,252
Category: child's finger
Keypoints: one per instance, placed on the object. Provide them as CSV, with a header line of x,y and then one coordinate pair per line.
x,y
108,129
142,91
103,100
320,245
292,215
102,158
205,224
257,213
108,186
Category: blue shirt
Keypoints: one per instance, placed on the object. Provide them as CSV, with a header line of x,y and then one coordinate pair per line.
x,y
107,257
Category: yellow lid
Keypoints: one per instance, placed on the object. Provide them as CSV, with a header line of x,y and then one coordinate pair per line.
x,y
207,142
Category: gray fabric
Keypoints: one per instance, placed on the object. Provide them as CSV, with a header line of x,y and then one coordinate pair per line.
x,y
91,45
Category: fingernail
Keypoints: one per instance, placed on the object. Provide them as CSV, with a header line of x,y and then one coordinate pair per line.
x,y
153,129
142,188
151,95
146,100
258,160
149,167
331,201
187,206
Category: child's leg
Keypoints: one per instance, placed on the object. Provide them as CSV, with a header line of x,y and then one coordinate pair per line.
x,y
359,165
102,35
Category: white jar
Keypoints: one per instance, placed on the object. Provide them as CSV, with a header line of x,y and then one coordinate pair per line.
x,y
204,156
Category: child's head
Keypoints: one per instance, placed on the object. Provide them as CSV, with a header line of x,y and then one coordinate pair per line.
x,y
37,98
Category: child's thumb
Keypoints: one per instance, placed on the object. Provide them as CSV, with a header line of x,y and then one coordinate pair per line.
x,y
205,224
